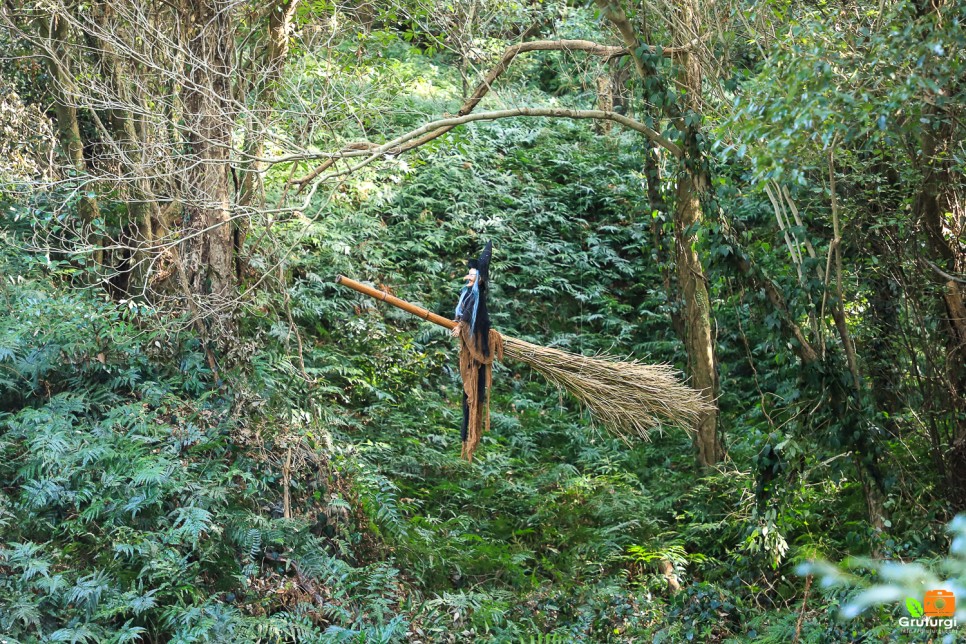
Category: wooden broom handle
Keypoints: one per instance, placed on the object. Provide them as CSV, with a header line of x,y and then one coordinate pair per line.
x,y
395,301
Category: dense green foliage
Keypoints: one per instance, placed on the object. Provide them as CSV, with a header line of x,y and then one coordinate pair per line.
x,y
314,492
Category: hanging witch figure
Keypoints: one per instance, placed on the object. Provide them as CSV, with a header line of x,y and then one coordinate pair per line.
x,y
479,346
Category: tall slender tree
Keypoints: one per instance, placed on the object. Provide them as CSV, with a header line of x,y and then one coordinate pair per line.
x,y
692,182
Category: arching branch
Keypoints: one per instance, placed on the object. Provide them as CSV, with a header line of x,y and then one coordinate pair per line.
x,y
608,52
422,134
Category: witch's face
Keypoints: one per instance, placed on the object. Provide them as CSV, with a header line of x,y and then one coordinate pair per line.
x,y
470,278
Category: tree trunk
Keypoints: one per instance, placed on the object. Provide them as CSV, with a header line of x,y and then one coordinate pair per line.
x,y
692,182
661,244
605,101
208,249
945,251
699,339
56,30
252,192
135,184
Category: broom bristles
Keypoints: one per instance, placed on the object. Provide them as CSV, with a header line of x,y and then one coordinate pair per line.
x,y
627,397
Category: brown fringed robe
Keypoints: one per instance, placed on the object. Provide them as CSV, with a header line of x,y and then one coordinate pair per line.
x,y
476,370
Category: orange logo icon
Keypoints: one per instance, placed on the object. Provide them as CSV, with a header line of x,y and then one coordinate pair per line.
x,y
939,603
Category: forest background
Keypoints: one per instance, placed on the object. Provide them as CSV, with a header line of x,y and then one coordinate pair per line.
x,y
203,438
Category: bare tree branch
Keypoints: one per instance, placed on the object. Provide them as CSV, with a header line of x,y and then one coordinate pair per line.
x,y
608,52
942,273
423,134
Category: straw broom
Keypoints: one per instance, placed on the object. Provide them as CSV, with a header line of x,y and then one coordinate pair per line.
x,y
627,397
